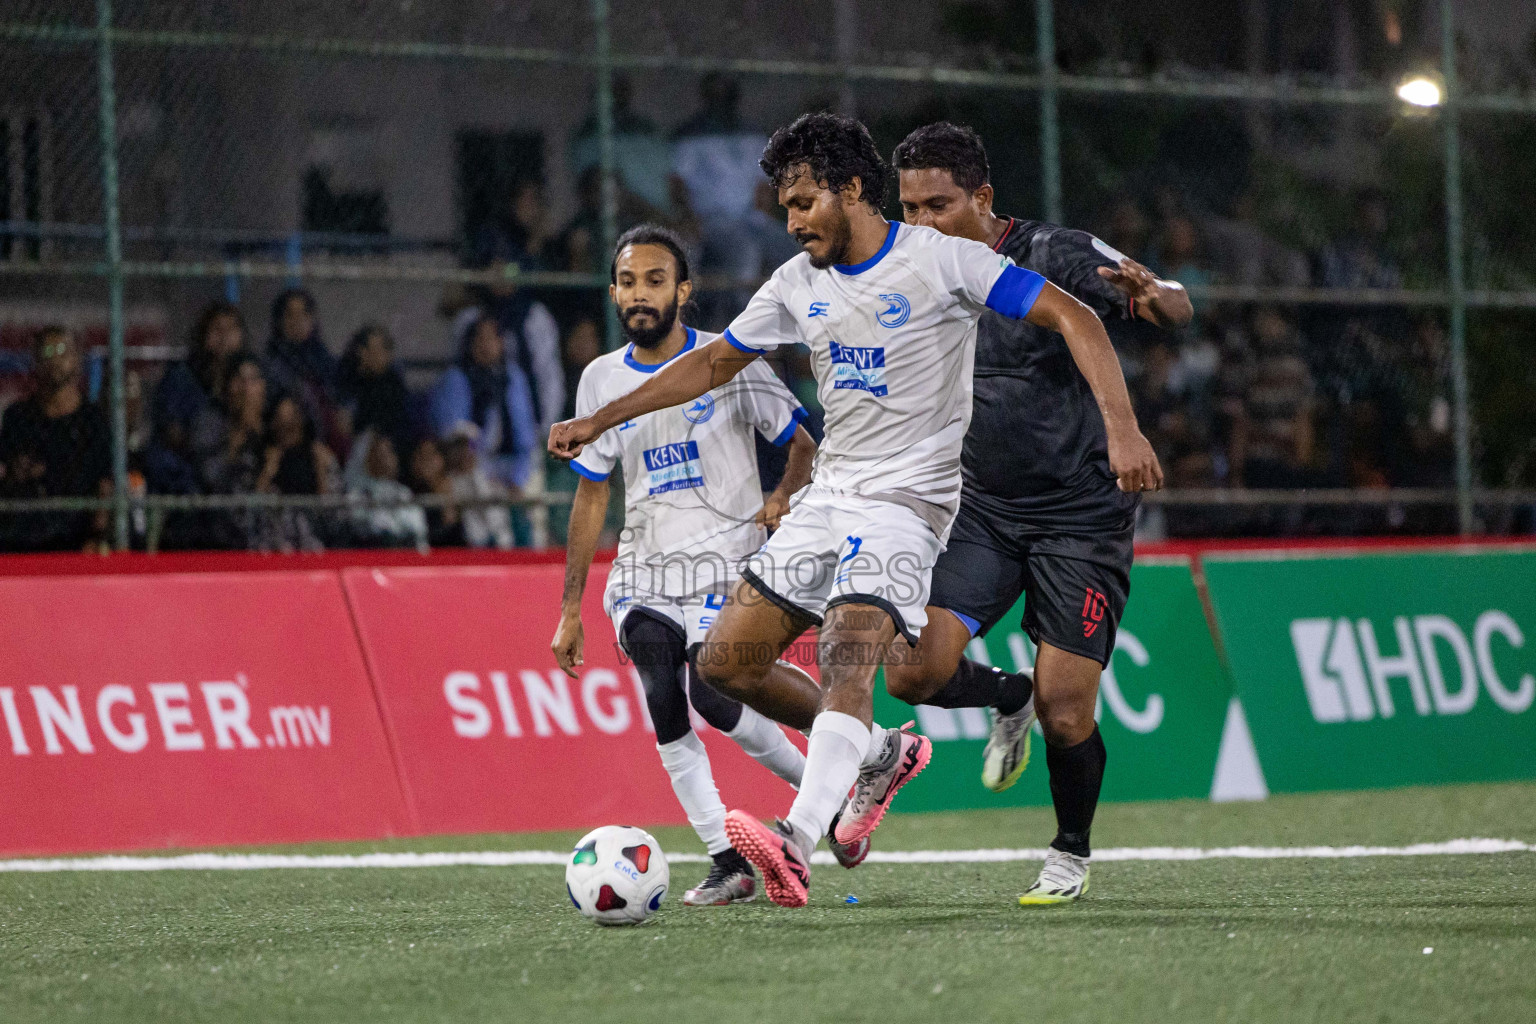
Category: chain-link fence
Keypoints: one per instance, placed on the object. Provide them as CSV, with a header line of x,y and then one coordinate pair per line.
x,y
1360,360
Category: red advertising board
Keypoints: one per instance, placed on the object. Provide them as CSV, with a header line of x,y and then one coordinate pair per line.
x,y
492,736
187,710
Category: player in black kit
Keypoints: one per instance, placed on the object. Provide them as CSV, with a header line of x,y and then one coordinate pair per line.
x,y
1052,473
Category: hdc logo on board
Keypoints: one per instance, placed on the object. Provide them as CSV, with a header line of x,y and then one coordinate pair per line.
x,y
1349,669
162,716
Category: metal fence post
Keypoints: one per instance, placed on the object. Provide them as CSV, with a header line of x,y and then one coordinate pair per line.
x,y
1050,129
1455,256
606,160
106,84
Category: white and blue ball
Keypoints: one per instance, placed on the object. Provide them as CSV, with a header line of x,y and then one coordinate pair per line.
x,y
617,874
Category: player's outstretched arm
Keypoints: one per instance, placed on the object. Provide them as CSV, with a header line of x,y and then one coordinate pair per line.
x,y
1130,454
587,514
1164,303
684,379
797,473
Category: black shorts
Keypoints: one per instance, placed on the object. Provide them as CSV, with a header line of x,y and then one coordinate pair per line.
x,y
1075,584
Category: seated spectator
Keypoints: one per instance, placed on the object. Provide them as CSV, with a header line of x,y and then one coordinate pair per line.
x,y
1273,436
485,525
229,448
1128,229
1359,258
518,235
299,364
188,396
55,444
230,443
429,475
372,474
370,390
490,391
294,462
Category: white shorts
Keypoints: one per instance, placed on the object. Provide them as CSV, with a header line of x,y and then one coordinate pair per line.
x,y
691,615
842,549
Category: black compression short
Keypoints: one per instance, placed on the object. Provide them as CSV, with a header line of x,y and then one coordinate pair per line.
x,y
1075,585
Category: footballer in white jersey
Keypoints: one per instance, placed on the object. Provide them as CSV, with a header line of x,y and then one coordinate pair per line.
x,y
693,508
691,490
889,313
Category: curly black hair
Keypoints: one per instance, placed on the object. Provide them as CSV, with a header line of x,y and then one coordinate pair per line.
x,y
836,149
946,147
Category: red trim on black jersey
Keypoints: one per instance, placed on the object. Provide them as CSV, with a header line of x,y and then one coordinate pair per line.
x,y
1006,232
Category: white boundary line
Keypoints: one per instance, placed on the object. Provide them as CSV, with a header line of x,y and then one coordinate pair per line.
x,y
520,858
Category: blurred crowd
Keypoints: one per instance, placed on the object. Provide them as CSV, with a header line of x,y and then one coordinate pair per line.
x,y
1258,396
1248,396
291,418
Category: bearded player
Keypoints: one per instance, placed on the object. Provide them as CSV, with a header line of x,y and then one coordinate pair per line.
x,y
889,314
693,508
1043,512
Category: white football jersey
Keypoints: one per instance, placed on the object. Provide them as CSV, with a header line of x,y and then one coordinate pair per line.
x,y
892,343
691,488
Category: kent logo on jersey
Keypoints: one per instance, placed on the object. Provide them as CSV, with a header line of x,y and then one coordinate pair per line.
x,y
862,369
674,467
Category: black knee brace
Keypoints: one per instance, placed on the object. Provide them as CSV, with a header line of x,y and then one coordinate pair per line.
x,y
657,648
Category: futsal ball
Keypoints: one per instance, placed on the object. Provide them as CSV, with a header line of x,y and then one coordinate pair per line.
x,y
617,875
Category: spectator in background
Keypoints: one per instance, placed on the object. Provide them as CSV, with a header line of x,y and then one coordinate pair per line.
x,y
715,160
642,158
372,475
1181,255
231,443
187,400
55,444
777,245
485,525
583,343
530,333
230,448
1272,442
1128,229
294,462
1429,447
429,475
300,365
489,391
370,391
518,236
1359,258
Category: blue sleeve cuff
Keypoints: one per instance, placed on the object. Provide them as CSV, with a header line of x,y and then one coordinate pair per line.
x,y
1015,291
795,419
745,348
584,471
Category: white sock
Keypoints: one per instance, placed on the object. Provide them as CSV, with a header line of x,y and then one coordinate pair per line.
x,y
687,765
876,745
838,743
765,741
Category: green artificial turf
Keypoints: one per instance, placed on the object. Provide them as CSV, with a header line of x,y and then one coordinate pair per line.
x,y
1226,940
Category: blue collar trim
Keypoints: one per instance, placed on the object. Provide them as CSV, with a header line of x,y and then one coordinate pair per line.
x,y
629,354
859,268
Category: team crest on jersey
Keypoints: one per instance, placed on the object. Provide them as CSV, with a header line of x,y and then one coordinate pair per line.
x,y
859,369
702,410
674,467
896,311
